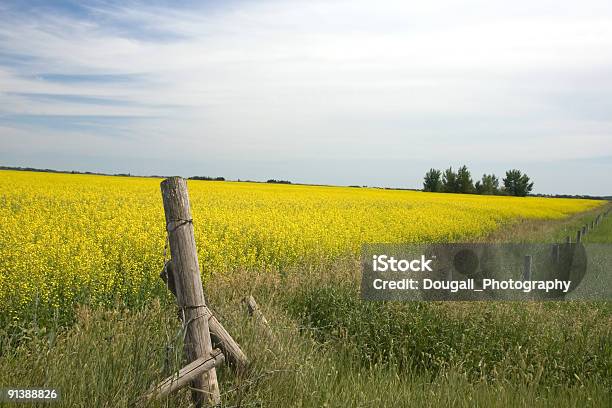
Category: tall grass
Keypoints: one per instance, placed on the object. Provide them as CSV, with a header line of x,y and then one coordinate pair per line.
x,y
539,344
331,349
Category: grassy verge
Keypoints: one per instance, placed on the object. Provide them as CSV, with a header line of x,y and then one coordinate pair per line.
x,y
331,349
602,232
549,231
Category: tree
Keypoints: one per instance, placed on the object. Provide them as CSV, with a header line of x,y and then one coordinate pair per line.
x,y
449,181
489,185
464,181
517,184
433,181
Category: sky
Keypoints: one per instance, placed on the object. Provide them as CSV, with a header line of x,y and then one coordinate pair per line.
x,y
330,92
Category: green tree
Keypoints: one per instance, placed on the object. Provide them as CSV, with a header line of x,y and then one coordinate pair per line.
x,y
449,181
433,181
489,185
517,184
464,181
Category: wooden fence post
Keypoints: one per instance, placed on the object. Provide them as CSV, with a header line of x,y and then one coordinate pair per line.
x,y
189,292
555,253
578,236
527,268
254,311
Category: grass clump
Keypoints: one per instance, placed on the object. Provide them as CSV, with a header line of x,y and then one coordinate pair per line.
x,y
538,344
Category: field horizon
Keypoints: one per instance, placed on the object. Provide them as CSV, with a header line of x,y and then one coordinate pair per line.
x,y
247,180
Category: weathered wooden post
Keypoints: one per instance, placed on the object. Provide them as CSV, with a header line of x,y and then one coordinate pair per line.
x,y
527,268
578,236
189,292
254,311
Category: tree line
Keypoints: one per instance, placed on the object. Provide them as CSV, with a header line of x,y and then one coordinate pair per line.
x,y
515,183
206,178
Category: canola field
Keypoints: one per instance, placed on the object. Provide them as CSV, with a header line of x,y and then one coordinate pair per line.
x,y
98,240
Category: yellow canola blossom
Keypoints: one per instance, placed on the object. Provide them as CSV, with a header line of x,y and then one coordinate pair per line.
x,y
67,239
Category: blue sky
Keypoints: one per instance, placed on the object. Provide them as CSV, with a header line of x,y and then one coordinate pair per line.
x,y
335,92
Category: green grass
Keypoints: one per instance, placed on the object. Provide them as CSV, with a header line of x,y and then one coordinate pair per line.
x,y
547,231
332,349
602,232
483,341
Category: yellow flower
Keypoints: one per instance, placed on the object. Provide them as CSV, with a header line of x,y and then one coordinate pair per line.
x,y
78,238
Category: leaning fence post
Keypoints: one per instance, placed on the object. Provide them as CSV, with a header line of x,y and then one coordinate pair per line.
x,y
189,292
527,268
254,311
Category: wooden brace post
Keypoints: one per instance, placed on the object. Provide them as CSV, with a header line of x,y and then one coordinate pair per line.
x,y
219,336
185,375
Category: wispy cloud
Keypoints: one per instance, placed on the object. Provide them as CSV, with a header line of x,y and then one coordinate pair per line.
x,y
333,80
76,99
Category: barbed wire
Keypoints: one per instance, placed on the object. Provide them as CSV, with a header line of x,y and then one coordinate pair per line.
x,y
257,379
180,222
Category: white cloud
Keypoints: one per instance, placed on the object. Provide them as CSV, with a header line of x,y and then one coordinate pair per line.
x,y
342,79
